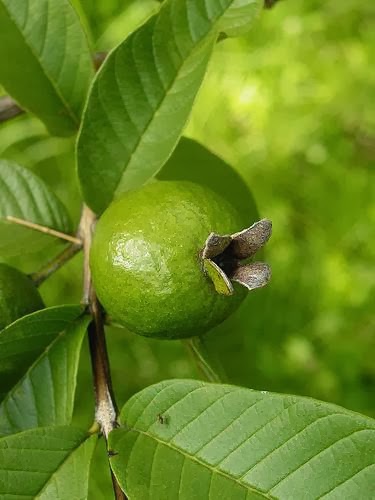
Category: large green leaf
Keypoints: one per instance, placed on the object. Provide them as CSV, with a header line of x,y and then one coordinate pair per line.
x,y
187,439
26,196
143,95
47,65
191,161
48,463
39,356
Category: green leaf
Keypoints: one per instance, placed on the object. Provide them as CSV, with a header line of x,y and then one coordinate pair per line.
x,y
46,463
142,97
48,64
188,439
193,162
26,196
39,356
239,17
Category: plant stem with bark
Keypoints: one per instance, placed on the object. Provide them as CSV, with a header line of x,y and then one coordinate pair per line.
x,y
105,404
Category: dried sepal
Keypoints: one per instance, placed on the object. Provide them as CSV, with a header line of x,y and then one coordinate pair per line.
x,y
215,245
222,256
218,277
254,275
247,242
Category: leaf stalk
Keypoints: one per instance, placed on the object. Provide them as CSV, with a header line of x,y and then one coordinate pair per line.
x,y
44,229
53,265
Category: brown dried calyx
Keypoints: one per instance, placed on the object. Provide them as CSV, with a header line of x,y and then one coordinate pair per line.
x,y
223,258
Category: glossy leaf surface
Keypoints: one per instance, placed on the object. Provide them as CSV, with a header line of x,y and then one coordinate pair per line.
x,y
143,95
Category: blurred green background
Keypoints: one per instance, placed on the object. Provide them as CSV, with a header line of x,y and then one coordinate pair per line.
x,y
291,106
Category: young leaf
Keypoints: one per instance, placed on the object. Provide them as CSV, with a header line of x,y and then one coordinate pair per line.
x,y
26,196
193,162
221,441
48,64
143,95
46,463
39,356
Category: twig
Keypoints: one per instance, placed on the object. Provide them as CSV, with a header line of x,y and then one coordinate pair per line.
x,y
105,405
44,229
9,108
55,264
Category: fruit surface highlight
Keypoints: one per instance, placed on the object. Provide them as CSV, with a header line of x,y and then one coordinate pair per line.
x,y
146,259
18,295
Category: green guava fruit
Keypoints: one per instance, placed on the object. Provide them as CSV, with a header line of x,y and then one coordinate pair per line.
x,y
146,260
18,295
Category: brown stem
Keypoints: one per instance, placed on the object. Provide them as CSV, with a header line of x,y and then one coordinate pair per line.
x,y
44,229
9,108
55,264
105,404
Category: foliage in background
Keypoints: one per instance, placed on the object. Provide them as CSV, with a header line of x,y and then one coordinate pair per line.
x,y
290,106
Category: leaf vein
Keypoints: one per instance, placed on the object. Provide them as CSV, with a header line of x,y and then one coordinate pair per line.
x,y
206,465
71,112
325,449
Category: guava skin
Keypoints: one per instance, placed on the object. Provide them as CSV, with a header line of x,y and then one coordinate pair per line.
x,y
146,264
18,295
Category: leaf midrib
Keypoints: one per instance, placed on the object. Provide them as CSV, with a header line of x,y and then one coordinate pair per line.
x,y
71,112
211,468
152,118
61,335
73,450
166,93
